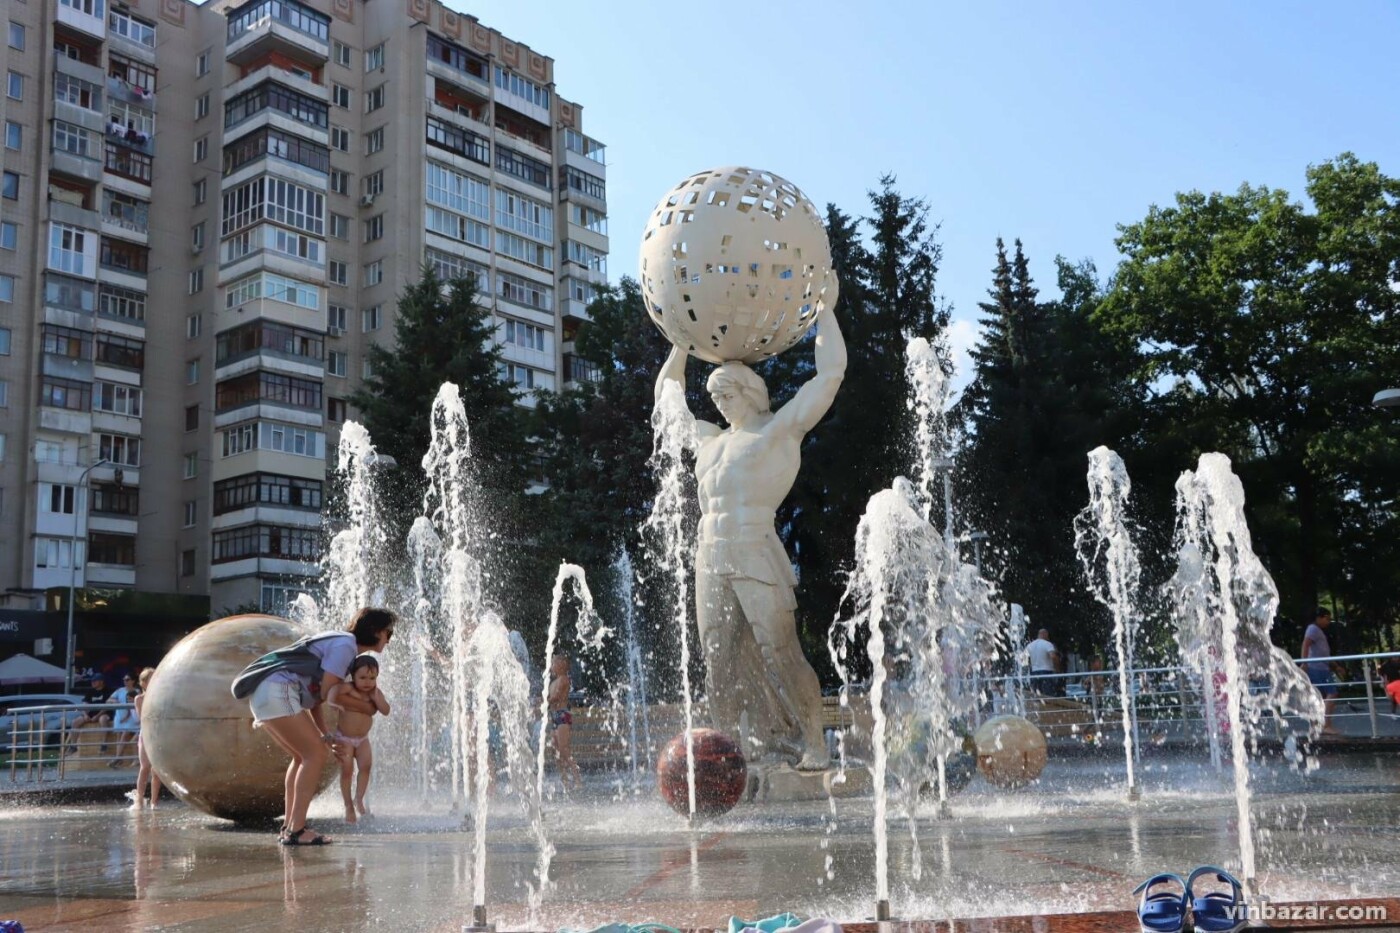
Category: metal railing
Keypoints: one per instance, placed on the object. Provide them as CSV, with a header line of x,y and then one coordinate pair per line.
x,y
45,744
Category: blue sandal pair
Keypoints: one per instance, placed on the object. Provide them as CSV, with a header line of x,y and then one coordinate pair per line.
x,y
1166,911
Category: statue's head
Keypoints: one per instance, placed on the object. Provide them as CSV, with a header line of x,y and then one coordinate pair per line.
x,y
732,386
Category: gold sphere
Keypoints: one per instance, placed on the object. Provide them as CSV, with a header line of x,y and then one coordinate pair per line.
x,y
201,740
1010,751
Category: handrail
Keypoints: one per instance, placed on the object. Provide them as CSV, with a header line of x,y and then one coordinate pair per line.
x,y
27,742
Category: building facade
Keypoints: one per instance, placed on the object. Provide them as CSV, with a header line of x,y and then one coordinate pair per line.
x,y
207,215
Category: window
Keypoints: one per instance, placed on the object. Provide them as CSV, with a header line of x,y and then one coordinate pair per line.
x,y
374,141
261,386
340,226
337,317
191,511
191,417
196,281
524,335
340,53
449,267
465,194
73,294
4,393
117,398
374,228
201,191
197,237
77,92
374,183
523,167
67,249
4,341
67,342
458,228
9,187
16,36
528,251
268,435
7,288
192,372
128,163
524,216
523,291
201,64
106,548
590,185
274,287
586,256
187,562
275,541
125,303
590,218
273,96
336,409
122,352
15,86
522,87
122,256
111,499
366,369
68,137
201,149
120,449
288,12
371,319
56,499
270,141
340,138
201,106
336,363
14,135
574,141
522,377
69,394
374,99
340,96
281,339
273,199
57,553
336,272
374,58
340,181
374,273
129,27
191,465
462,142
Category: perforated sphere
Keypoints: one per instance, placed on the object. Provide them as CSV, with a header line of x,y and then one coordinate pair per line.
x,y
736,265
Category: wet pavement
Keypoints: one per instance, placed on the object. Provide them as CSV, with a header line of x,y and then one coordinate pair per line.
x,y
1070,844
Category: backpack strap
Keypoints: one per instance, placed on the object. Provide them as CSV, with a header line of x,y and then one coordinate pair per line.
x,y
296,658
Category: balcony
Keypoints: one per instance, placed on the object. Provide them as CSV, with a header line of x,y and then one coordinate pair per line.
x,y
92,24
277,26
130,93
77,69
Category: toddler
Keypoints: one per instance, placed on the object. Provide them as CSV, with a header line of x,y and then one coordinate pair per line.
x,y
351,735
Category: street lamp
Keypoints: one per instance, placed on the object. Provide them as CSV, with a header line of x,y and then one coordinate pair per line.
x,y
977,537
73,571
1387,398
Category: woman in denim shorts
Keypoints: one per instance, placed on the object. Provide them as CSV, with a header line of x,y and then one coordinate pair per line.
x,y
288,706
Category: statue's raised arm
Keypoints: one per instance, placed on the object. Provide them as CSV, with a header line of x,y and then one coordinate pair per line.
x,y
814,399
673,372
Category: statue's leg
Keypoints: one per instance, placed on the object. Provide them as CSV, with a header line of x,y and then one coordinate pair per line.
x,y
768,610
718,615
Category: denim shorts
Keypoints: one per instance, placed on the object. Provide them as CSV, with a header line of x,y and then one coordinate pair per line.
x,y
1324,681
277,699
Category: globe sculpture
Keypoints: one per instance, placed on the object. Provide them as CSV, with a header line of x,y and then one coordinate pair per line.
x,y
201,740
736,265
720,773
1010,751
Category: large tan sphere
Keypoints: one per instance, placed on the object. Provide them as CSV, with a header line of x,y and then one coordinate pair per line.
x,y
1010,751
201,740
736,265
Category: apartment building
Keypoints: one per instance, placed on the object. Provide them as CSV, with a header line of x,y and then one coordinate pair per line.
x,y
207,214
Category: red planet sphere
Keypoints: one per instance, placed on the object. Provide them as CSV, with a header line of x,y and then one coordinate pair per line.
x,y
720,773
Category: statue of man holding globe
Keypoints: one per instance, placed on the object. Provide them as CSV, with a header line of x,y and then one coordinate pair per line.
x,y
743,273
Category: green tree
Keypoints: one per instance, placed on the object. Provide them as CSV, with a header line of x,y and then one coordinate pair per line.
x,y
1276,325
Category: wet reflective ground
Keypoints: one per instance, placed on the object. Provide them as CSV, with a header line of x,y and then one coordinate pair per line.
x,y
1071,843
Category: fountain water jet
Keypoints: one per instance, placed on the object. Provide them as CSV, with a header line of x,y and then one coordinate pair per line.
x,y
591,634
1111,566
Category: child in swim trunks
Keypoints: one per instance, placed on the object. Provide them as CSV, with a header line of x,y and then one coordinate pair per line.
x,y
351,735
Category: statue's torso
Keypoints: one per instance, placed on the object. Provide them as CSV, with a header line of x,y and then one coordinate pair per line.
x,y
742,477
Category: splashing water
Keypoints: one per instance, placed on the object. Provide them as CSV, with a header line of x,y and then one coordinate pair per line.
x,y
591,635
669,547
1220,577
1110,561
637,702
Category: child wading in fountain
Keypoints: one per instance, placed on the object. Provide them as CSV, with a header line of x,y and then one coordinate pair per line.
x,y
146,774
562,721
352,731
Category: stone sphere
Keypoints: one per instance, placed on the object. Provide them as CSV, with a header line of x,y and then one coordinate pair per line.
x,y
1010,751
200,740
720,773
736,265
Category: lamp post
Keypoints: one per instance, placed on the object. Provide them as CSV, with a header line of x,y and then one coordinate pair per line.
x,y
977,537
73,573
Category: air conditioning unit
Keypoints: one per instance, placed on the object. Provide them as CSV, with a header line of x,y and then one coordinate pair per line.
x,y
336,331
197,249
367,200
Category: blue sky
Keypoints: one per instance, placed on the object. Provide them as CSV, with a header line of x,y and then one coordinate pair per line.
x,y
1052,122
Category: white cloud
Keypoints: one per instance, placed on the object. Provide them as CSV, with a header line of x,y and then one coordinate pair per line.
x,y
963,335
